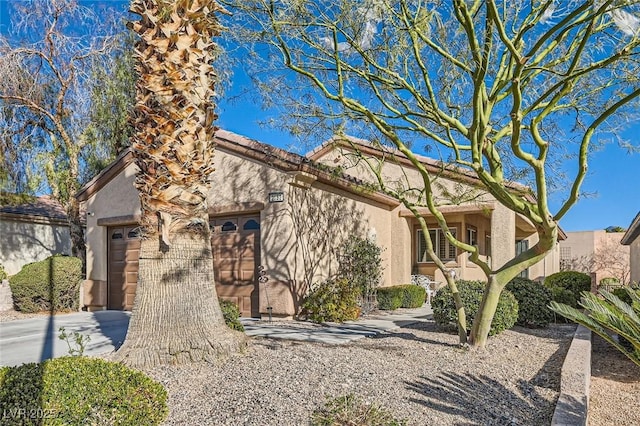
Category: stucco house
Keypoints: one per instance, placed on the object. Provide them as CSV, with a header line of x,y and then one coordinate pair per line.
x,y
289,214
31,232
598,253
631,238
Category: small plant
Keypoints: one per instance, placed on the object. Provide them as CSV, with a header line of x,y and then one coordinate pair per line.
x,y
51,285
231,315
533,302
609,315
75,341
361,264
334,300
80,391
471,292
3,273
349,410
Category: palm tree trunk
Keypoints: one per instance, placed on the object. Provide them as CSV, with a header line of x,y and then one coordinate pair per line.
x,y
176,317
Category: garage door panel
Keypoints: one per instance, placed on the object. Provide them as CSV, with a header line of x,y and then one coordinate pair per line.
x,y
236,254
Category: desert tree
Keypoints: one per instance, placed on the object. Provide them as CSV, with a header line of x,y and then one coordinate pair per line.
x,y
46,57
176,316
503,91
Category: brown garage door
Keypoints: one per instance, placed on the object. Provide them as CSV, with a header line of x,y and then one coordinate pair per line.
x,y
124,250
235,241
236,254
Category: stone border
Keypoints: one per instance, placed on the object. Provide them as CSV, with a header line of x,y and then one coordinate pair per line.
x,y
572,408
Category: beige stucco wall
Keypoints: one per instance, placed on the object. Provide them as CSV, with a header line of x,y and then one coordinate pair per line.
x,y
30,240
611,257
117,198
300,237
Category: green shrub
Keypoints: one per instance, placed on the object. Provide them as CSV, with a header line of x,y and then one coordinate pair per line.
x,y
571,281
231,315
350,410
389,298
334,300
3,273
52,284
471,292
80,391
400,296
621,293
533,302
413,296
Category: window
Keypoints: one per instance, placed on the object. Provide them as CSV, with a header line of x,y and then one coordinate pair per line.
x,y
472,236
441,245
134,233
250,225
229,226
116,236
521,247
487,245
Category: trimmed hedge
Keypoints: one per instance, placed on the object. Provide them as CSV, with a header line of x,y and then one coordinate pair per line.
x,y
400,296
52,284
566,286
79,391
471,292
533,302
231,315
389,298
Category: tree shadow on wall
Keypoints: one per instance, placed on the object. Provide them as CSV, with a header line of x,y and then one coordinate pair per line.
x,y
322,223
482,400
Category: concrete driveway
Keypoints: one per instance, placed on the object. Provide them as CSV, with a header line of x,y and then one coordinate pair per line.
x,y
36,339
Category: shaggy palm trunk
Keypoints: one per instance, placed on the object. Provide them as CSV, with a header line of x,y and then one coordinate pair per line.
x,y
175,319
176,315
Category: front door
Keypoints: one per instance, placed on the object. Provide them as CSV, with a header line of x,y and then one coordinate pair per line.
x,y
235,241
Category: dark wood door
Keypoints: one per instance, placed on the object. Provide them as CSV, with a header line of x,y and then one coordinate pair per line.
x,y
124,251
235,242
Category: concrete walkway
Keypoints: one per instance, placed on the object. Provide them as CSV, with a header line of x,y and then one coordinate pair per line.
x,y
36,339
334,333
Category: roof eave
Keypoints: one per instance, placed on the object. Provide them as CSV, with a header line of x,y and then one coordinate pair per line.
x,y
632,232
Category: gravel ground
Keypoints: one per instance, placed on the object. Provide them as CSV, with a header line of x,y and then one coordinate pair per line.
x,y
615,387
416,373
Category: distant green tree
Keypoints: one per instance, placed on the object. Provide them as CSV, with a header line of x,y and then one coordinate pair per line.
x,y
615,229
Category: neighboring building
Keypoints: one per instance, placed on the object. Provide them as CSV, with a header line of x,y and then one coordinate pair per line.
x,y
631,238
598,253
290,214
32,232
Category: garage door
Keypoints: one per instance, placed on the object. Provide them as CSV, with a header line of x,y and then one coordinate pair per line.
x,y
236,255
235,241
124,250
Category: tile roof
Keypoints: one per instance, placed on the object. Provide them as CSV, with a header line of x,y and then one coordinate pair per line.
x,y
44,206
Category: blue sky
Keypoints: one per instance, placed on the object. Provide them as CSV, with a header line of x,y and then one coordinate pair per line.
x,y
614,174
